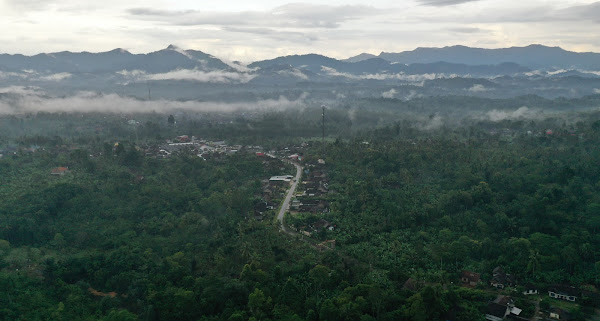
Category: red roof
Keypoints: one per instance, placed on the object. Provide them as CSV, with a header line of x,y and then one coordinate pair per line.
x,y
471,276
260,154
60,170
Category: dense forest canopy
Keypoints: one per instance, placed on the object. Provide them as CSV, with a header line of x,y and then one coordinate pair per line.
x,y
102,219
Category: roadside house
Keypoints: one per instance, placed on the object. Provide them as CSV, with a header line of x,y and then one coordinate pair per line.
x,y
563,292
470,278
500,279
59,171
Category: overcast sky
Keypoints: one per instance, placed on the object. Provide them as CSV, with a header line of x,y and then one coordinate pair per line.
x,y
260,29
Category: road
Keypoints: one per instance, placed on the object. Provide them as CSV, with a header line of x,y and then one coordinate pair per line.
x,y
288,198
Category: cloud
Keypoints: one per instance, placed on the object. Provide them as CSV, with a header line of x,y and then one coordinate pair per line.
x,y
21,90
522,112
432,123
5,75
581,12
56,77
389,94
399,76
281,35
466,30
477,88
294,15
597,90
218,76
31,101
202,76
294,73
443,3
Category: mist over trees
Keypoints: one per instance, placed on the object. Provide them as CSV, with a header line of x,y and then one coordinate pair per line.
x,y
431,197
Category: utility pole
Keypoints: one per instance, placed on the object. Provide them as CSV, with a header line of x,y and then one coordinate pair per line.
x,y
323,142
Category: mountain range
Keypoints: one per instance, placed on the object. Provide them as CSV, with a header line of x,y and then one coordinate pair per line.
x,y
532,56
175,73
459,60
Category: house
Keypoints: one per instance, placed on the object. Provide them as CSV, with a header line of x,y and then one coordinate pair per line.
x,y
295,204
503,308
60,171
530,289
563,292
279,180
322,224
500,279
327,245
470,278
558,314
496,311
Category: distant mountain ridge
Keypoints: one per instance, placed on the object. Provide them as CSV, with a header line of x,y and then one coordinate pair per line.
x,y
322,64
173,63
115,60
532,56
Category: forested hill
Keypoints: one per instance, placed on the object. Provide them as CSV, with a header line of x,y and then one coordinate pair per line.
x,y
138,231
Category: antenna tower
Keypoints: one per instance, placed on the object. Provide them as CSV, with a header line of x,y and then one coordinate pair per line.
x,y
323,141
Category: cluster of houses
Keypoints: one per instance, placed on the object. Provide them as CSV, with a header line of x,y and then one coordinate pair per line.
x,y
204,149
311,197
312,192
504,309
272,188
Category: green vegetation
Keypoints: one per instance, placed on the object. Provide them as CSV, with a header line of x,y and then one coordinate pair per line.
x,y
127,236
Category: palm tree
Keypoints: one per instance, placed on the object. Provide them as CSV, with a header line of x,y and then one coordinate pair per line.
x,y
534,262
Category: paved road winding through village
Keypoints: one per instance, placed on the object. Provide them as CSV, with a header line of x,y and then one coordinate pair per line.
x,y
286,203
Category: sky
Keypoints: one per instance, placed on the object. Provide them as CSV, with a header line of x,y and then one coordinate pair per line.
x,y
247,31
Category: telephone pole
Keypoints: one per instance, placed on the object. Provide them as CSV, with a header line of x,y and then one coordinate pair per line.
x,y
323,123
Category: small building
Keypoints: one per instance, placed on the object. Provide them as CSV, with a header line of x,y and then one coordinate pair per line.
x,y
470,278
322,224
59,171
563,292
280,179
496,311
500,279
558,314
530,289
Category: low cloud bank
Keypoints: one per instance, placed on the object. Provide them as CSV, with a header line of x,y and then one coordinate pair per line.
x,y
27,100
379,76
521,113
220,76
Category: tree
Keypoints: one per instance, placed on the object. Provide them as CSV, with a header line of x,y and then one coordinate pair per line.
x,y
259,304
533,265
171,120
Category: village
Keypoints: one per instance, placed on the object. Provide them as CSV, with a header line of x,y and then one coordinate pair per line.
x,y
544,302
310,204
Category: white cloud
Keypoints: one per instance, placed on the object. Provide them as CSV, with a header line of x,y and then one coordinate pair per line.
x,y
32,101
294,73
21,90
189,74
389,94
202,76
522,112
56,77
292,15
249,31
477,88
399,76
